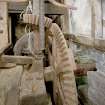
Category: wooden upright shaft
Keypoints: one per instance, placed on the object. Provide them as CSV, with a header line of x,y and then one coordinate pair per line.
x,y
36,12
36,7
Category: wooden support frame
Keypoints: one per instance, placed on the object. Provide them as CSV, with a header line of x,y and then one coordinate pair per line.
x,y
49,8
96,9
98,44
22,60
13,0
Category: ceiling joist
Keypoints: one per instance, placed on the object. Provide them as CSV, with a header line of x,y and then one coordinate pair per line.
x,y
13,0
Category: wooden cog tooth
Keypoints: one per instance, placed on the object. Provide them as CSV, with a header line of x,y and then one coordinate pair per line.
x,y
70,101
61,50
66,69
48,22
57,40
57,32
66,64
67,78
55,29
58,36
68,85
66,72
69,90
64,59
70,98
63,54
62,45
61,40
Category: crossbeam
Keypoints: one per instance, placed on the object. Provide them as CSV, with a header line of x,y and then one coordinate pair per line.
x,y
49,8
13,0
98,44
16,59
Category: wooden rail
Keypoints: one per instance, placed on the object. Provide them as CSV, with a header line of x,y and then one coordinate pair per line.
x,y
98,44
22,60
13,0
49,8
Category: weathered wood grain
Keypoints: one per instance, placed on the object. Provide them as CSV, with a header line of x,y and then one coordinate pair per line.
x,y
16,59
9,89
49,8
13,0
67,92
33,90
3,26
98,44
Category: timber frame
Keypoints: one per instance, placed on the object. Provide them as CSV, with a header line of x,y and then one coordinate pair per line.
x,y
50,9
98,44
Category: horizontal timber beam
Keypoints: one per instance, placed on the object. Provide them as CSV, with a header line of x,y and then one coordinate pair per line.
x,y
49,8
81,70
98,44
13,0
16,59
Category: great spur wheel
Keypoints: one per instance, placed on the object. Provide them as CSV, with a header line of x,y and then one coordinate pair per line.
x,y
64,81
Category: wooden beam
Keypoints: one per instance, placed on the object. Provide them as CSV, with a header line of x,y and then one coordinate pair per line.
x,y
16,59
96,8
98,44
61,5
13,0
49,8
82,69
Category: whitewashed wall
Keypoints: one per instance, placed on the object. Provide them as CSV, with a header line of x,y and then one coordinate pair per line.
x,y
81,19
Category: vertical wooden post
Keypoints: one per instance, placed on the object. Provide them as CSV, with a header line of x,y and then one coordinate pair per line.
x,y
97,19
38,9
66,20
41,25
36,12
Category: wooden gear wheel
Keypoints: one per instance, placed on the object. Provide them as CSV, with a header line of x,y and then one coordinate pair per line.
x,y
64,80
